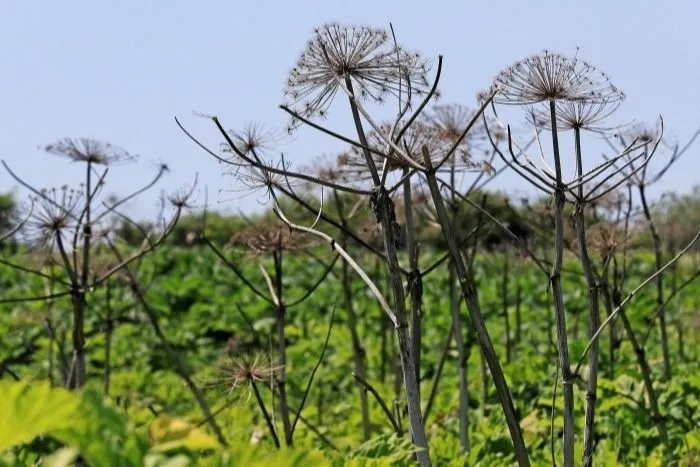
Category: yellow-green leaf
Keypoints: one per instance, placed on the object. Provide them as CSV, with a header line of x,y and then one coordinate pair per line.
x,y
29,410
168,433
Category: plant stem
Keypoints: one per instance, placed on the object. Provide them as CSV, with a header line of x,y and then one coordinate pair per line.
x,y
455,302
266,415
79,299
416,280
560,313
358,350
646,377
280,315
658,258
109,331
386,215
593,313
470,296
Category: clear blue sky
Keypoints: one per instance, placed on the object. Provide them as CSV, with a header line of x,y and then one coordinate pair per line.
x,y
120,71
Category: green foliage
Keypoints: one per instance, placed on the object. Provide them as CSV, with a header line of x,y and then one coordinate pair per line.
x,y
86,426
29,411
206,313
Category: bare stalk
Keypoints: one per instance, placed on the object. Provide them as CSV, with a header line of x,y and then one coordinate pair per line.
x,y
358,350
593,312
79,298
455,302
415,276
384,210
646,376
658,258
470,295
560,312
280,318
381,402
266,414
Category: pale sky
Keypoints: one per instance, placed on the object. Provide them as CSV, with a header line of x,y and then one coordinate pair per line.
x,y
120,71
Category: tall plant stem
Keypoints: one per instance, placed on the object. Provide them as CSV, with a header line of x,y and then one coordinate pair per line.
x,y
266,415
555,281
470,296
593,312
416,279
658,258
484,367
608,301
358,350
80,285
455,302
455,309
386,215
438,374
280,318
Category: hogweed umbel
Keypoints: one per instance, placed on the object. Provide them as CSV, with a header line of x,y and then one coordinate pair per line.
x,y
89,150
365,56
552,76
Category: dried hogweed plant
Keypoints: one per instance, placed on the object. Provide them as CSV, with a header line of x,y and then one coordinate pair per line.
x,y
65,223
276,240
359,59
560,94
641,177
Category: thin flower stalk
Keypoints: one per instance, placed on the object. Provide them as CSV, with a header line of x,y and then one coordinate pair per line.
x,y
642,178
594,312
463,357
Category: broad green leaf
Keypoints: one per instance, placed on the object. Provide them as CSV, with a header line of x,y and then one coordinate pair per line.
x,y
168,433
29,410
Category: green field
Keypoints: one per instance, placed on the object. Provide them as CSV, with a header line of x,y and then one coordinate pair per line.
x,y
213,322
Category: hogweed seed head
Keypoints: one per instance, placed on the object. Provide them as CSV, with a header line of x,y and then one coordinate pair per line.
x,y
577,115
329,170
352,164
56,211
254,141
236,372
267,237
365,56
550,77
642,133
89,150
450,122
260,178
607,237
